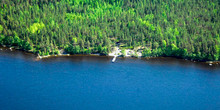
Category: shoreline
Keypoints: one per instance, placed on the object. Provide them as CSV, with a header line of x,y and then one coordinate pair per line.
x,y
99,55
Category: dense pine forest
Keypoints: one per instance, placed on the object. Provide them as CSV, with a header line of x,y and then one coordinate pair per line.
x,y
179,28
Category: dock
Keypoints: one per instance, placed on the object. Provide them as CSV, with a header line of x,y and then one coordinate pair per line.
x,y
114,58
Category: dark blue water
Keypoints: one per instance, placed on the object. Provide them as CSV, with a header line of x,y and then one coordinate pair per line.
x,y
94,83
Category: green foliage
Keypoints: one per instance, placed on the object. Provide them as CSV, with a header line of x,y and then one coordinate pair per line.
x,y
17,41
73,49
36,27
74,40
164,44
1,29
104,51
123,52
172,50
180,28
26,45
146,53
73,17
2,37
149,17
217,54
99,48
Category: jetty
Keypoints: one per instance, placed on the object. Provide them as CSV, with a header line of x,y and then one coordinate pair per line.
x,y
114,58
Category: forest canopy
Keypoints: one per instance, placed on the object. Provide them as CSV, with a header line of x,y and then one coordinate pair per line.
x,y
180,28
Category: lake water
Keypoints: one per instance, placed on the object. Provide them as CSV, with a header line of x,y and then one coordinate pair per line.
x,y
94,83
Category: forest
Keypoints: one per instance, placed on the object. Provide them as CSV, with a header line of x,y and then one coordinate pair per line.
x,y
186,29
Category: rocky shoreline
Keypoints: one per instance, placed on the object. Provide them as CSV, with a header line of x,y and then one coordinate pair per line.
x,y
116,51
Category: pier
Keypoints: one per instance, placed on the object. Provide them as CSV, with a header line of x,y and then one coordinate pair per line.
x,y
114,58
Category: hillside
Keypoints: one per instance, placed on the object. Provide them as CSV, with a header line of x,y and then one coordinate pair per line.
x,y
179,28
